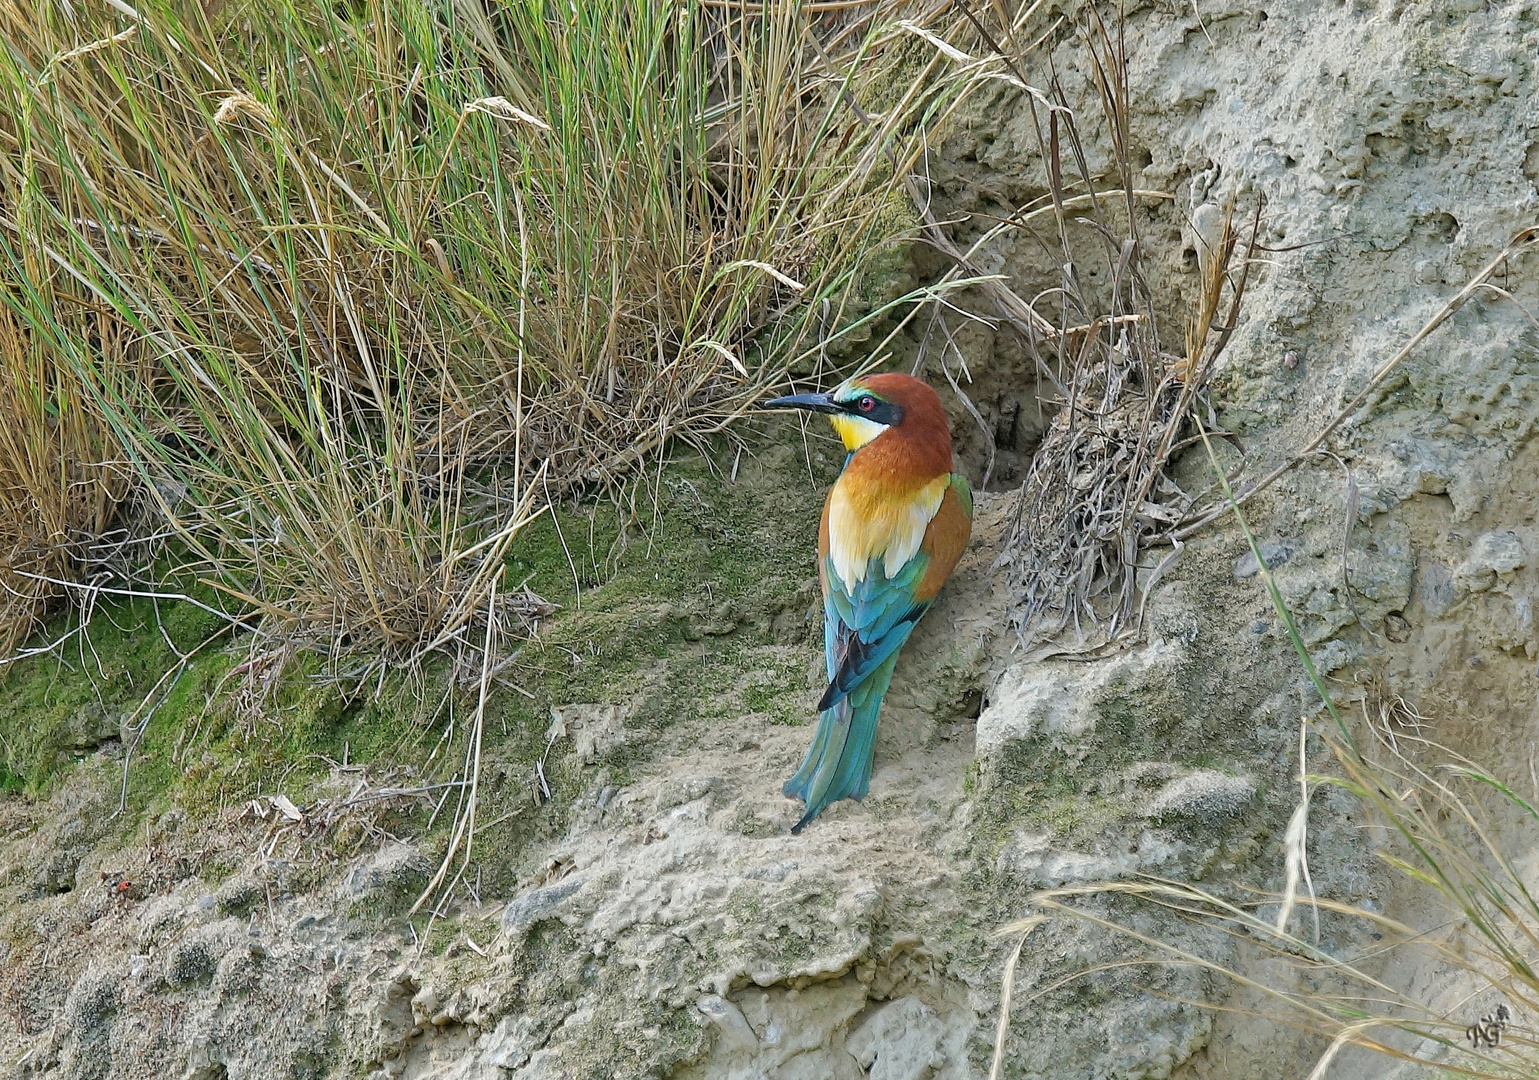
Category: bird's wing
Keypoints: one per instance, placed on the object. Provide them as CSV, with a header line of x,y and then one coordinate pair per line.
x,y
865,626
945,537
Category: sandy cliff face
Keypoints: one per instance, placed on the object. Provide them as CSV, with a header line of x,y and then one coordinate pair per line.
x,y
674,929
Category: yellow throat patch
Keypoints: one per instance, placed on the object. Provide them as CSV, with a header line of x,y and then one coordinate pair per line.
x,y
856,431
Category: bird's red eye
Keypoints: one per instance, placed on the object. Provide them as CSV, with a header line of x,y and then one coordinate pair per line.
x,y
866,404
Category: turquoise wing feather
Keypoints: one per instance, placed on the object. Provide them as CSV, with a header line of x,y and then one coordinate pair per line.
x,y
863,631
863,628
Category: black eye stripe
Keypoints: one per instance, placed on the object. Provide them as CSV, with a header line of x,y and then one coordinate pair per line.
x,y
871,407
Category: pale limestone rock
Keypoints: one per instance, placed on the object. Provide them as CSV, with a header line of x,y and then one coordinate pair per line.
x,y
901,1040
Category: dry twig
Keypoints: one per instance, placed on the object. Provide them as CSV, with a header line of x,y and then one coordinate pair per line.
x,y
1097,495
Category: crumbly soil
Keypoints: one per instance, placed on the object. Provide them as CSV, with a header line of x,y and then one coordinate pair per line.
x,y
634,905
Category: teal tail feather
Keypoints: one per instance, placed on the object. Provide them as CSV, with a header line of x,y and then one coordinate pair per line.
x,y
838,763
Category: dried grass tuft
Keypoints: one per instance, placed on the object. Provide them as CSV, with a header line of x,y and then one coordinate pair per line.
x,y
1097,495
61,481
355,292
1440,820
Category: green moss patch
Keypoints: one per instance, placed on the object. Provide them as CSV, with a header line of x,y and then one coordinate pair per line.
x,y
695,599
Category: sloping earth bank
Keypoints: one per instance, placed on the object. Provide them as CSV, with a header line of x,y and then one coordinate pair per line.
x,y
655,919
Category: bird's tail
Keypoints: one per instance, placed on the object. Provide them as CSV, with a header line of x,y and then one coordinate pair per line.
x,y
838,763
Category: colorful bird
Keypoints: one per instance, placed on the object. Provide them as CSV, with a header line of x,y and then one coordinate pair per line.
x,y
894,525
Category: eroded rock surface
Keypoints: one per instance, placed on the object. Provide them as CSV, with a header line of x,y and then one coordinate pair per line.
x,y
675,930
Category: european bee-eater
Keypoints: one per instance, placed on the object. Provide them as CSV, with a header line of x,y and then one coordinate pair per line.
x,y
894,525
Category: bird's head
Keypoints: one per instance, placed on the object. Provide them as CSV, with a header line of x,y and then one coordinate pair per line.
x,y
863,409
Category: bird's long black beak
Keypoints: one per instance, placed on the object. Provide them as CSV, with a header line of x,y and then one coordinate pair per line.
x,y
823,403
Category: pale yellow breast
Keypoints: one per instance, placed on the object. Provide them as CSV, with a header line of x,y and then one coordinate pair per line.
x,y
863,525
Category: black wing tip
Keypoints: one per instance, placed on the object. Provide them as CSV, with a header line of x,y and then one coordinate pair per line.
x,y
807,819
830,697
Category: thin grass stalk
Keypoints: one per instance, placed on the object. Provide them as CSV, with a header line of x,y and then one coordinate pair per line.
x,y
1098,494
355,266
1465,865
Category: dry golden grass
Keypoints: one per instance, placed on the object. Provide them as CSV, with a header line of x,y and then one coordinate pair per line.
x,y
1098,495
1457,991
61,482
357,290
